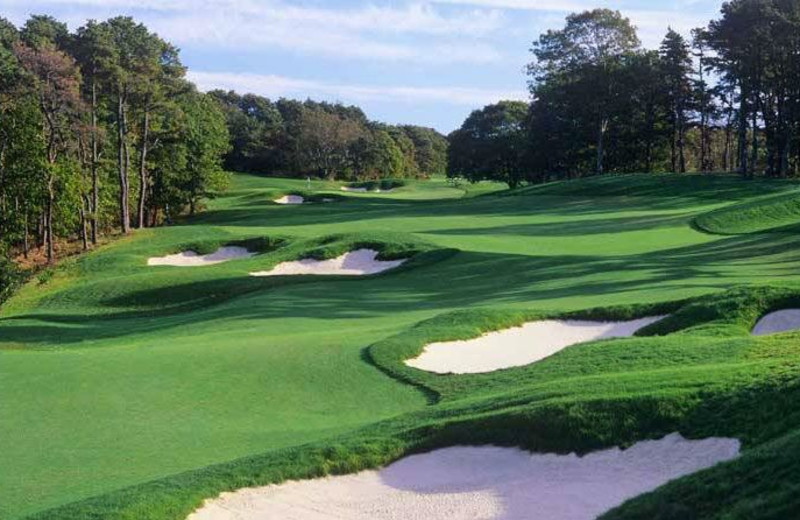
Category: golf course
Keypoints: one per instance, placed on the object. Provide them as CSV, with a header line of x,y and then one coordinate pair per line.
x,y
136,391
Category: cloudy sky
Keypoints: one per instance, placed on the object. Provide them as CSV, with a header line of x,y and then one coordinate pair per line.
x,y
421,62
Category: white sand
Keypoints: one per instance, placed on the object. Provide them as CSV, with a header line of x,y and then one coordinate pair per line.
x,y
479,483
779,321
354,263
518,346
290,199
192,259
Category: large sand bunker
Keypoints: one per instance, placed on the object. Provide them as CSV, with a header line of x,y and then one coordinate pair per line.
x,y
779,321
354,263
471,483
518,346
290,199
192,259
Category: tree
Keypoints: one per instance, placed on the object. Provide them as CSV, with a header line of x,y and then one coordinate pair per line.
x,y
430,149
588,51
676,67
490,144
135,59
94,52
703,97
408,152
376,155
157,83
56,82
257,130
191,163
327,139
65,99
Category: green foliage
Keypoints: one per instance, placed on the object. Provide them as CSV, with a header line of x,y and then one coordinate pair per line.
x,y
490,145
321,139
11,276
79,113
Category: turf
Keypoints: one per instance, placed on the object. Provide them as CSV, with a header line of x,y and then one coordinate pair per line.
x,y
135,392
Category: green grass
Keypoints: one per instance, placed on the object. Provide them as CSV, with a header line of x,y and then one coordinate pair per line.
x,y
135,392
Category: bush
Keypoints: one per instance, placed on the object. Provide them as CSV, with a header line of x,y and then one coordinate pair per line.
x,y
11,276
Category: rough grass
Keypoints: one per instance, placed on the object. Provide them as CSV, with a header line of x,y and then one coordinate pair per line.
x,y
135,392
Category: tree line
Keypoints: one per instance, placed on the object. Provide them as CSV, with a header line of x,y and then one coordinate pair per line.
x,y
100,132
724,98
294,138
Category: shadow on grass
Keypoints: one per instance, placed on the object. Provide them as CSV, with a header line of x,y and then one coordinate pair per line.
x,y
461,280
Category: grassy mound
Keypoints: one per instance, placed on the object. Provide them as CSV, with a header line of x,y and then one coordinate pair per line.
x,y
665,185
774,212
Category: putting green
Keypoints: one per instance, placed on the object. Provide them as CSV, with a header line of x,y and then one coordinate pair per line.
x,y
114,373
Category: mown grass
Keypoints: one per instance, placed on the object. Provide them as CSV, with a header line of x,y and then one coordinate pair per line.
x,y
135,392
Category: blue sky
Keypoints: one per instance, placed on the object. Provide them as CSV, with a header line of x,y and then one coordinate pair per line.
x,y
420,62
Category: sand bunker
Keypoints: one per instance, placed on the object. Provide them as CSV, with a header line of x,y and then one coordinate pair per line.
x,y
290,199
518,346
192,259
469,483
779,321
354,263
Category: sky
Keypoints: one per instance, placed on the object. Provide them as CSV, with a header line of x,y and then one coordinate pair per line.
x,y
419,62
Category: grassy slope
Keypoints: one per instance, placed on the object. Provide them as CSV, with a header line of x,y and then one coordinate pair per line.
x,y
106,367
776,212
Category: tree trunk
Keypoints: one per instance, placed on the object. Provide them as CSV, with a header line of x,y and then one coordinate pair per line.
x,y
94,206
26,248
673,158
48,225
727,160
600,144
754,155
83,230
122,160
742,151
784,153
681,141
143,169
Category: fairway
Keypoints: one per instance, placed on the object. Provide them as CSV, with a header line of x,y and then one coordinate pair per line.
x,y
115,373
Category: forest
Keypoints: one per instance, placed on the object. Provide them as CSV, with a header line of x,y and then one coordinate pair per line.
x,y
101,133
724,98
294,138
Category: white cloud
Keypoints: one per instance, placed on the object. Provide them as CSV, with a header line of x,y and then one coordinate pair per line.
x,y
528,5
651,23
285,31
414,32
273,86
